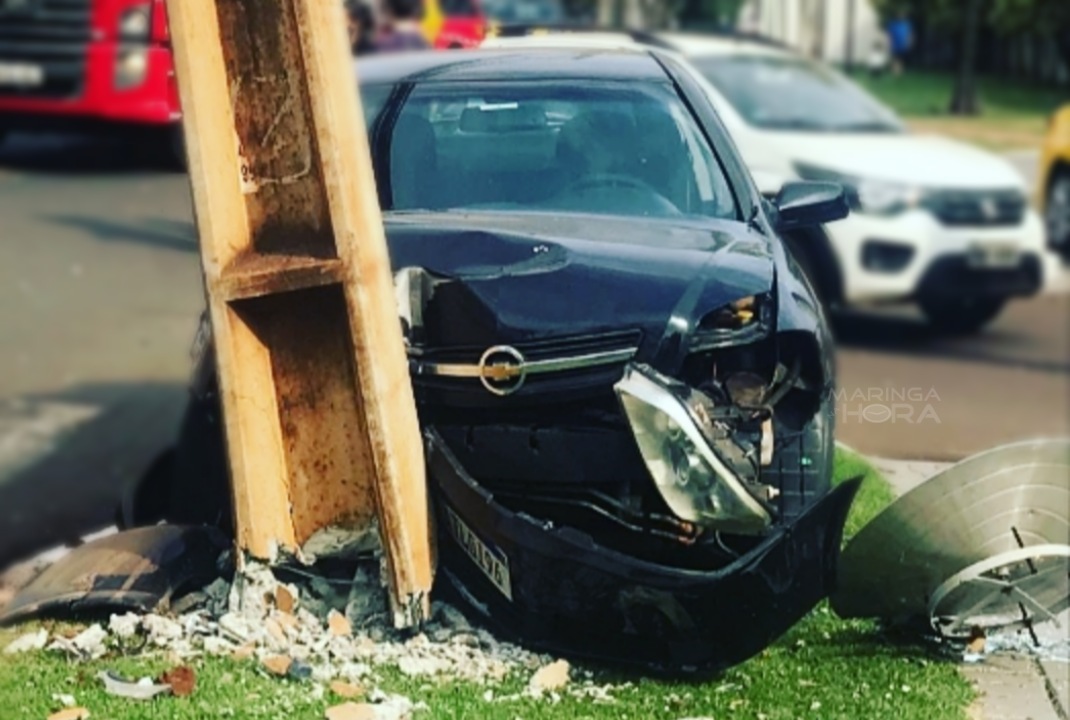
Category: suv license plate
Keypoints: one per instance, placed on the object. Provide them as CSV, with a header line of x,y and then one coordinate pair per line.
x,y
990,256
21,75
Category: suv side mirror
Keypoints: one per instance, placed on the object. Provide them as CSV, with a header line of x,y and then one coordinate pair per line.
x,y
807,203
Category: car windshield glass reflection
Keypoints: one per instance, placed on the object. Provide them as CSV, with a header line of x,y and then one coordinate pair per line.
x,y
524,11
787,94
611,149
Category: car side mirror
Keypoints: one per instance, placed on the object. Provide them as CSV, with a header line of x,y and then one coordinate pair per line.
x,y
807,203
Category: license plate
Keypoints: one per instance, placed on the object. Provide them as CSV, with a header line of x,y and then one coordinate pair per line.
x,y
21,75
491,561
993,255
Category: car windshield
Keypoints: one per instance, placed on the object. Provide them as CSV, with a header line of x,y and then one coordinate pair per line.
x,y
623,149
522,12
459,8
784,93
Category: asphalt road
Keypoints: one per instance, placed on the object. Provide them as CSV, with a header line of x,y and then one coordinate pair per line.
x,y
100,291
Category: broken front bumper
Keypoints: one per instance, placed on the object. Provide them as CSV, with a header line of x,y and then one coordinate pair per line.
x,y
557,590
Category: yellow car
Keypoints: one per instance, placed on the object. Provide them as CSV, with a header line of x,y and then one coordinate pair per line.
x,y
1055,182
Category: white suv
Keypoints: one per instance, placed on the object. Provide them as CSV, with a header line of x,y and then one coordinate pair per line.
x,y
934,221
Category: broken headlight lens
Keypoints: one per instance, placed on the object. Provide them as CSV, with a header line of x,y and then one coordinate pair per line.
x,y
698,486
743,320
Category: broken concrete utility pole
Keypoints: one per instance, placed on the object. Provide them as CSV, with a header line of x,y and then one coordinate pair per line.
x,y
321,424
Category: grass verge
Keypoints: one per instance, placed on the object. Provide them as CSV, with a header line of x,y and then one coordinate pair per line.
x,y
825,668
1014,113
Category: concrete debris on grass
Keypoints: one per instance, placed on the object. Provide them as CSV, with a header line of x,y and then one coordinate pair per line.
x,y
385,707
74,713
87,645
28,643
325,634
182,680
65,700
550,678
347,690
1052,643
143,689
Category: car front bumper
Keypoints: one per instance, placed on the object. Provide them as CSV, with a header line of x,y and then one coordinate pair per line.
x,y
556,590
933,250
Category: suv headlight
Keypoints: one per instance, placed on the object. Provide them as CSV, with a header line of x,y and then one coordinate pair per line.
x,y
866,195
698,487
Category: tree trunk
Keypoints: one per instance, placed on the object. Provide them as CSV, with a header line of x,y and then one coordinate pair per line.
x,y
964,98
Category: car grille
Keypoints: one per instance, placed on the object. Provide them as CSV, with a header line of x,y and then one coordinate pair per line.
x,y
569,358
53,34
977,208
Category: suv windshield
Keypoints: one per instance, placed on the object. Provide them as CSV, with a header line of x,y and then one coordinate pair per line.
x,y
783,93
606,148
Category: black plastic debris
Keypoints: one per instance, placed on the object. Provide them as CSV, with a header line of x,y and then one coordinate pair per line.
x,y
141,570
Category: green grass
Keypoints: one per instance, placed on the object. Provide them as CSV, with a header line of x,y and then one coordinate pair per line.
x,y
825,668
1014,113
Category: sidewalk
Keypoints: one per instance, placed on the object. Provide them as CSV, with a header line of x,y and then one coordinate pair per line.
x,y
1011,686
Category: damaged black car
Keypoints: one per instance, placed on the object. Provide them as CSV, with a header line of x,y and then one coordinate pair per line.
x,y
624,379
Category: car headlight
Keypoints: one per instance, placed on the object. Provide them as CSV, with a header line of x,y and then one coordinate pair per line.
x,y
866,195
744,320
876,197
135,23
698,486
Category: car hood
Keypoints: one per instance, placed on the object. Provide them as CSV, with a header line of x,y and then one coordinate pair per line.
x,y
520,278
925,161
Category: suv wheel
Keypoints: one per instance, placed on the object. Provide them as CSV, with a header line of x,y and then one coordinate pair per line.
x,y
1057,213
961,316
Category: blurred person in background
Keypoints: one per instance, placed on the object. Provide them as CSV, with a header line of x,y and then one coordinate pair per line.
x,y
401,30
361,24
901,40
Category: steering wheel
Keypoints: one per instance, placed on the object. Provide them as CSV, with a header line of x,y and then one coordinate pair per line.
x,y
607,181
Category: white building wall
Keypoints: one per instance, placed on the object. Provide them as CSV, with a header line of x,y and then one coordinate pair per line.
x,y
816,27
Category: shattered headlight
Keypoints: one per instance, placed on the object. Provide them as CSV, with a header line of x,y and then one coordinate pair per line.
x,y
667,419
745,320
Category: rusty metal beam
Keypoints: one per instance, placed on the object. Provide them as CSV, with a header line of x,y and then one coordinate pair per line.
x,y
320,419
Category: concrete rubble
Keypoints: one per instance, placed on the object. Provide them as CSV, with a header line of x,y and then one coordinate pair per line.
x,y
74,713
28,643
336,651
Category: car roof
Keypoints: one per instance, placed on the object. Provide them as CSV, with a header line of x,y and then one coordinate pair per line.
x,y
563,63
688,44
700,44
565,40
